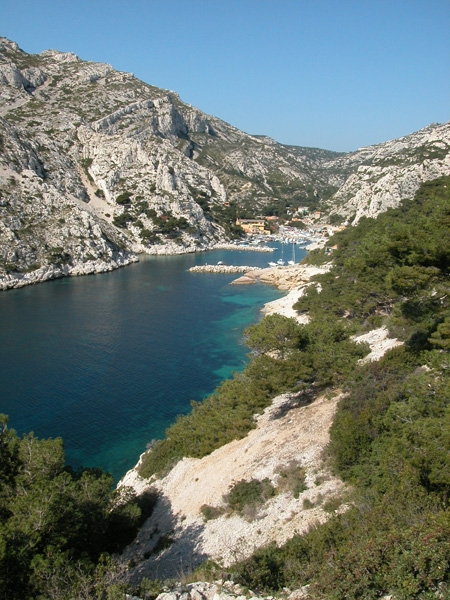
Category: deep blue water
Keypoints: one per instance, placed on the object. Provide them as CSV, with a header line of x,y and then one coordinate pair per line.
x,y
108,361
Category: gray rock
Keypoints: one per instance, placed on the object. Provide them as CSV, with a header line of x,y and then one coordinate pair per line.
x,y
89,155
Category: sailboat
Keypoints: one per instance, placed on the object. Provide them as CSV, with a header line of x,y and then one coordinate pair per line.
x,y
280,261
292,262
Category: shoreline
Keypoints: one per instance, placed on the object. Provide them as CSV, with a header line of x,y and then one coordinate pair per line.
x,y
299,436
281,306
15,279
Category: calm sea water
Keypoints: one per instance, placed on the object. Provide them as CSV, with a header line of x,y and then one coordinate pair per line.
x,y
108,361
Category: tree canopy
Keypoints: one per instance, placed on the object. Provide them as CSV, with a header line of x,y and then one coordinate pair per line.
x,y
58,527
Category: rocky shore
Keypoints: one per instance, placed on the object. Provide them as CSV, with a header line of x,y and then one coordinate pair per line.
x,y
55,271
220,590
283,277
16,279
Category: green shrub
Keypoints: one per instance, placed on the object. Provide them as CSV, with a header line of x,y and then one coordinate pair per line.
x,y
124,198
248,494
57,524
292,478
211,512
122,220
164,542
332,504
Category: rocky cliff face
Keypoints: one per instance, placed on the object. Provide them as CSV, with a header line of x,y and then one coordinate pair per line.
x,y
96,165
90,170
381,176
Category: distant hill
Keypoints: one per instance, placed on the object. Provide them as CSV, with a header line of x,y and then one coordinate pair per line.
x,y
96,165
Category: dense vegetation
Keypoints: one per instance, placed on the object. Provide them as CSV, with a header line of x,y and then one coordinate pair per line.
x,y
391,437
287,357
59,527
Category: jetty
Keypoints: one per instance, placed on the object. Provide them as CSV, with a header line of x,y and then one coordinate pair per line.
x,y
246,247
222,269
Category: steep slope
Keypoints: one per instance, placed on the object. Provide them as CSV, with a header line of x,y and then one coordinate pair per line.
x,y
288,435
75,138
388,439
380,177
96,165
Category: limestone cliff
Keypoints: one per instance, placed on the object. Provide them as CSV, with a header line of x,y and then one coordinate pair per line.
x,y
96,165
382,176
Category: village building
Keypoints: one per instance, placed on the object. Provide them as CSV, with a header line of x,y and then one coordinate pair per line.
x,y
252,225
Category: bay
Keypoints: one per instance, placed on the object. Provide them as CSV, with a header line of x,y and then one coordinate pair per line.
x,y
107,362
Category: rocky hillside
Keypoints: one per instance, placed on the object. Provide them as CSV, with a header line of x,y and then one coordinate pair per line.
x,y
96,165
380,177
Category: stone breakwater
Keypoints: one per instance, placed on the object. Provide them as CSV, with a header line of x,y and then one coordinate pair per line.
x,y
223,246
222,269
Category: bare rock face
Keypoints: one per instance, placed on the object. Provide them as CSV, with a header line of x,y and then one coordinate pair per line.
x,y
91,170
391,172
96,165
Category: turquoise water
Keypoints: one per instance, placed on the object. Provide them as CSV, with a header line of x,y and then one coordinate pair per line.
x,y
108,361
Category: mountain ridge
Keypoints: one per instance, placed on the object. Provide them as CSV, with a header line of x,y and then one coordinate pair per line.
x,y
97,166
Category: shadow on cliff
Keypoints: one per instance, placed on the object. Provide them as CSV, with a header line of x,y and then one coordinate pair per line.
x,y
165,548
303,398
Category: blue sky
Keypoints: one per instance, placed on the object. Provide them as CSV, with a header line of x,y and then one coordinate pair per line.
x,y
334,74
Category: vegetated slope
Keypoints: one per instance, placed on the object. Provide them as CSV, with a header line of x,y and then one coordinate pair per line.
x,y
389,440
59,528
390,437
245,494
391,270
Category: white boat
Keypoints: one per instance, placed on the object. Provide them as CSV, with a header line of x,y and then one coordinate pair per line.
x,y
280,261
292,262
272,264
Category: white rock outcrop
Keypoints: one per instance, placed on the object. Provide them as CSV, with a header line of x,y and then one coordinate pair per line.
x,y
288,432
392,172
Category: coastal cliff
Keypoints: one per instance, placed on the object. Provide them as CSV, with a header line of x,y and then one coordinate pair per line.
x,y
97,166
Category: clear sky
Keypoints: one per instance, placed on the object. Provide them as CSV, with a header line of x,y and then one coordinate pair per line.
x,y
334,74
